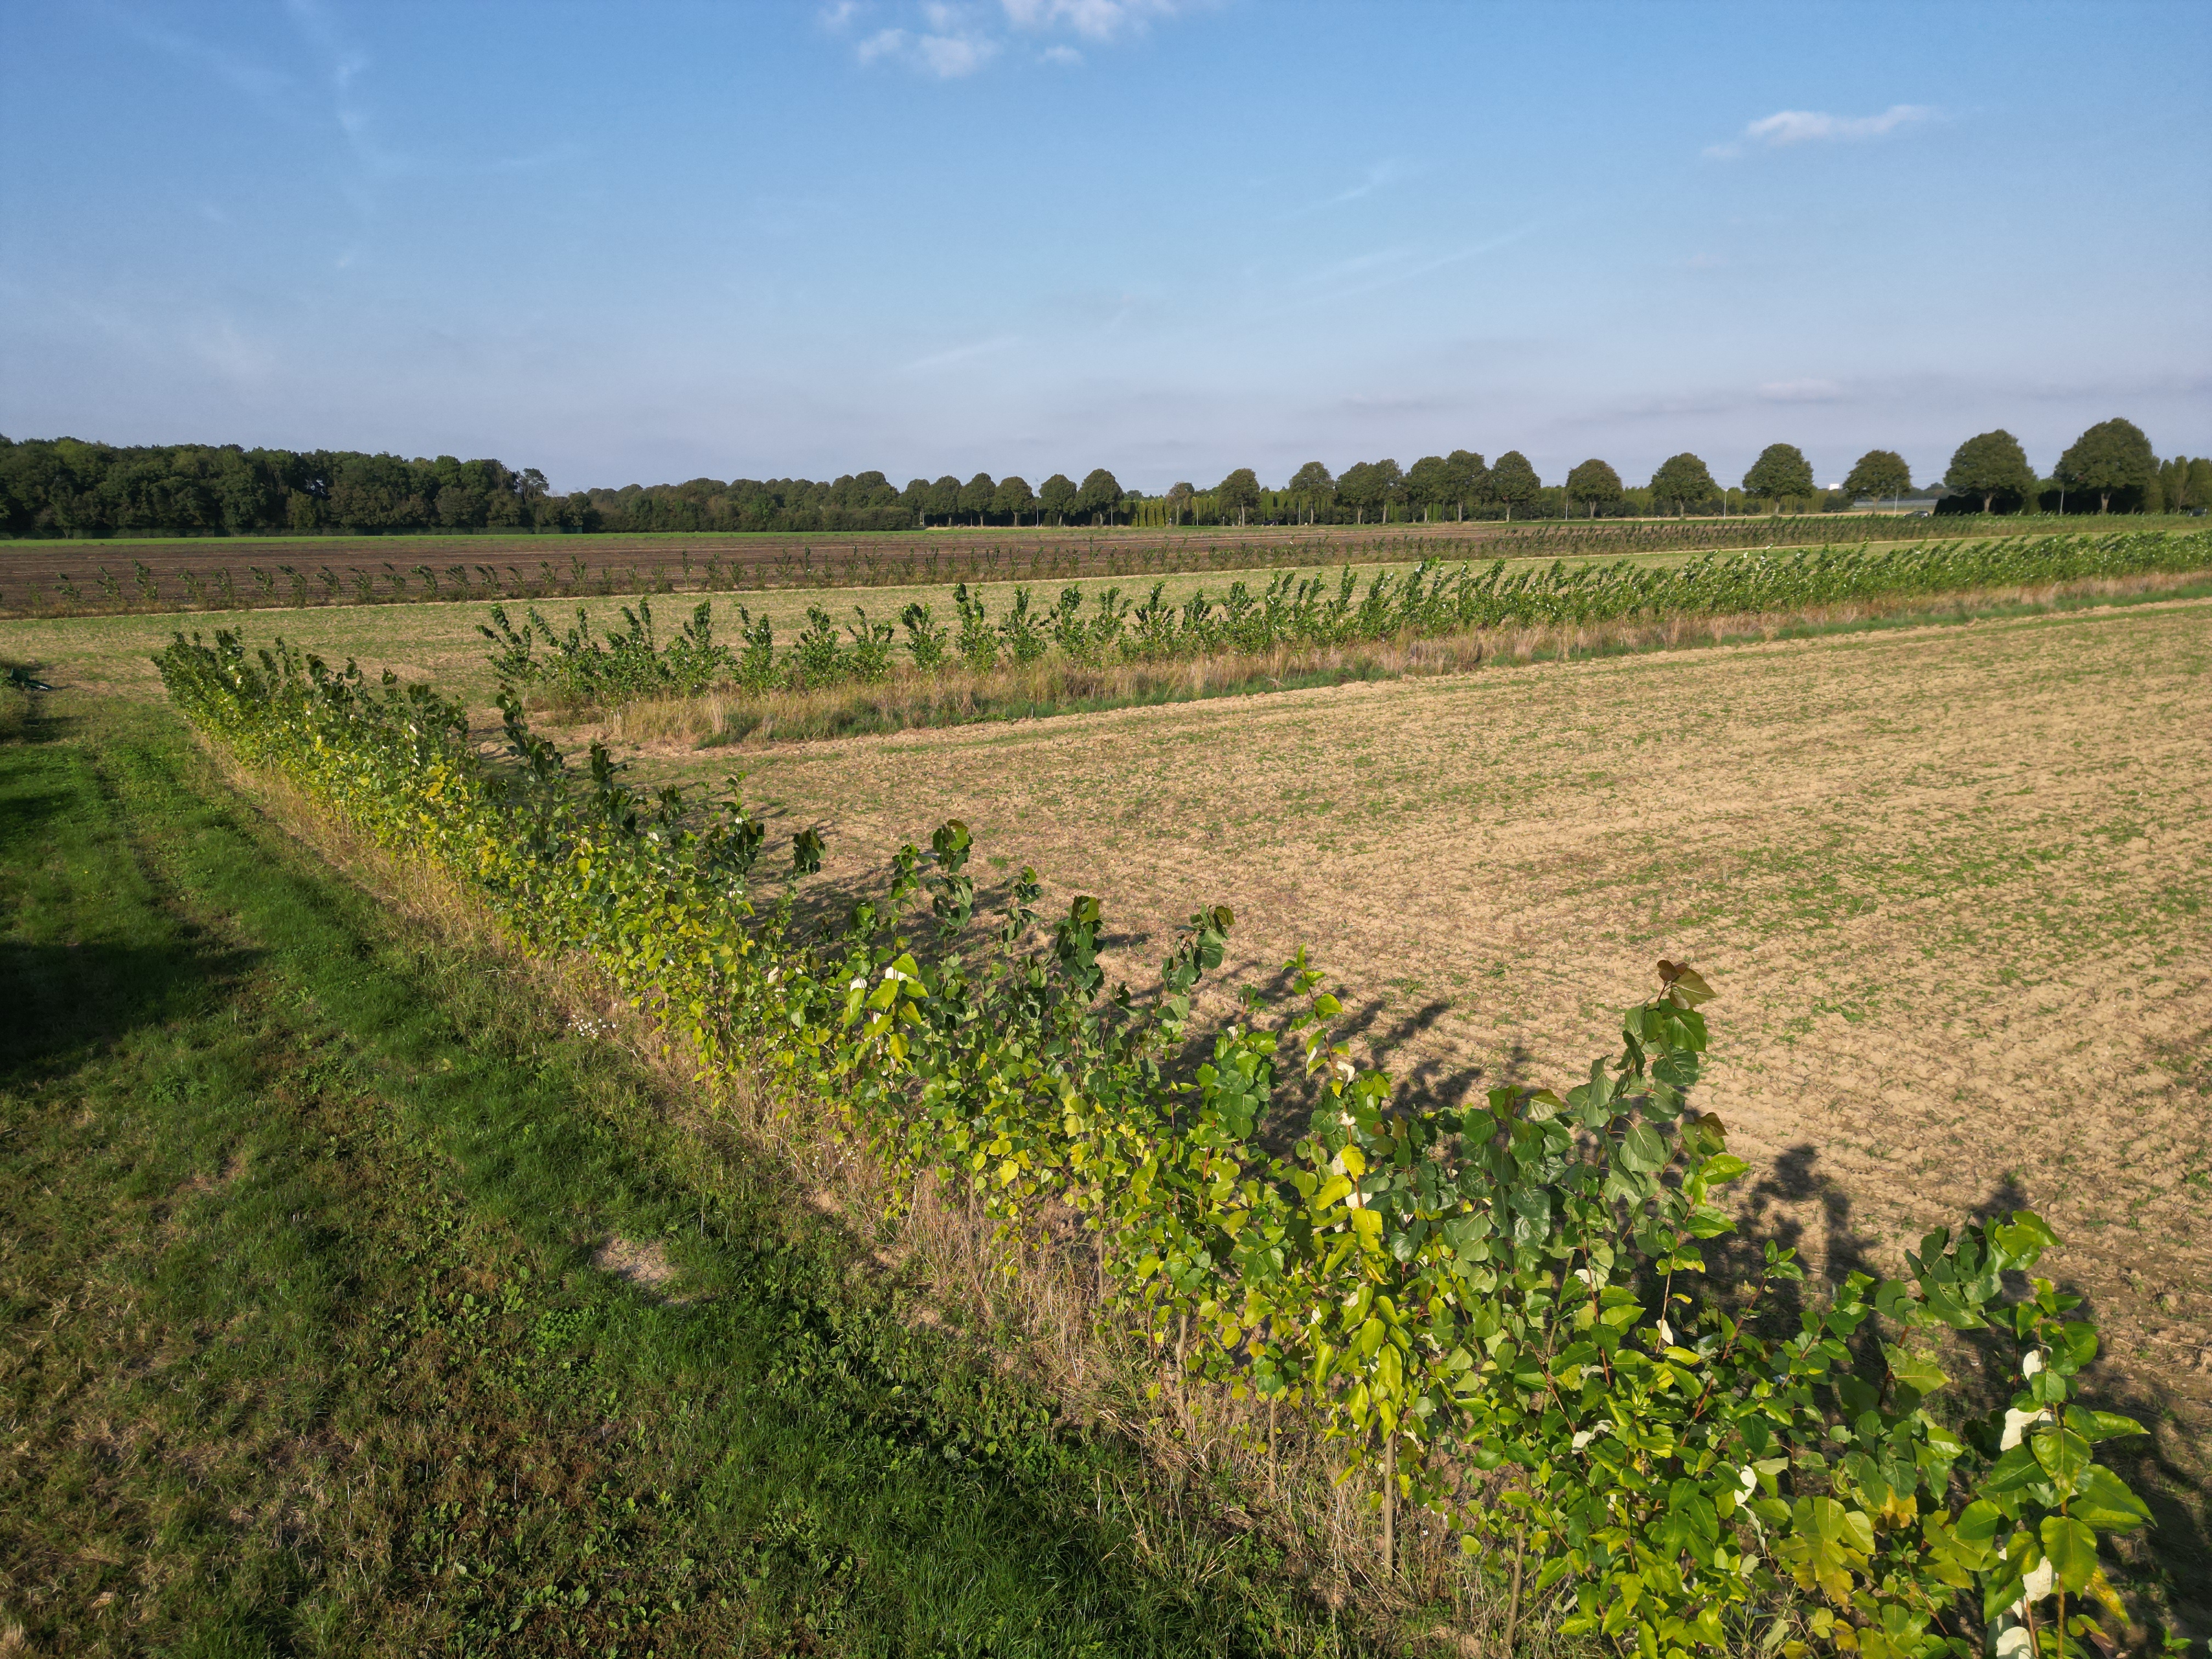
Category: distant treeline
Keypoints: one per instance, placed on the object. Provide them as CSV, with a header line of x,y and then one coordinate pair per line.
x,y
63,487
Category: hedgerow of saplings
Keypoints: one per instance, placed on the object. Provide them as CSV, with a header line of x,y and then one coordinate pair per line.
x,y
1289,611
1501,1314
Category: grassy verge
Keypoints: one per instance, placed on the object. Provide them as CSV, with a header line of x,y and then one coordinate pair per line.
x,y
912,702
351,1304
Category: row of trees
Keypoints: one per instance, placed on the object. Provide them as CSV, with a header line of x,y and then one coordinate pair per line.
x,y
63,487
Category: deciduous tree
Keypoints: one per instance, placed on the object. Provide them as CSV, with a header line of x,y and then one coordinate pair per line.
x,y
1238,493
1595,483
977,494
1014,498
1469,476
1314,488
1428,483
1513,483
1182,498
1682,479
2111,455
1877,473
1990,465
1057,495
1780,470
1101,493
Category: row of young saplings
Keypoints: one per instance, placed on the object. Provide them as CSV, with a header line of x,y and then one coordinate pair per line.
x,y
1529,1316
1289,610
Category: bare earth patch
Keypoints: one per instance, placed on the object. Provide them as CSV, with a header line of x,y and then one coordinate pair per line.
x,y
1949,882
644,1265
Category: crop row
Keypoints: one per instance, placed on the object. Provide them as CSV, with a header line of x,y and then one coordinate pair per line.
x,y
1502,1313
1289,610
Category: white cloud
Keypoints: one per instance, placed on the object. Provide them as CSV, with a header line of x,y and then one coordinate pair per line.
x,y
1801,126
948,57
951,38
1094,20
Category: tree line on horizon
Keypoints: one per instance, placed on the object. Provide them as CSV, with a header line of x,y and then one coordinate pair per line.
x,y
68,488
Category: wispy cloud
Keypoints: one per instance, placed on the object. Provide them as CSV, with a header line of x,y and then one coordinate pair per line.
x,y
1803,127
960,353
1801,391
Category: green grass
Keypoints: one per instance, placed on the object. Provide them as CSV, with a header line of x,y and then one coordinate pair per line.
x,y
304,1350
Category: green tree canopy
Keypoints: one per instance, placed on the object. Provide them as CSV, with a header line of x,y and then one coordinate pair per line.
x,y
1314,487
1014,497
1879,472
1595,483
1057,495
1682,479
1470,476
945,498
977,493
2110,456
1513,483
1428,483
1990,465
1101,493
1238,493
1780,470
1183,498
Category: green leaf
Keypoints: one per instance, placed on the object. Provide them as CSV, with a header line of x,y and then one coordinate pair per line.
x,y
2100,1425
2063,1454
1723,1167
2071,1548
2102,1500
1641,1150
1915,1371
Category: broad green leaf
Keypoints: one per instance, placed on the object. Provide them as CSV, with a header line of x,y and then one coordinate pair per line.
x,y
2102,1500
2064,1454
1641,1150
2100,1425
2071,1549
1915,1371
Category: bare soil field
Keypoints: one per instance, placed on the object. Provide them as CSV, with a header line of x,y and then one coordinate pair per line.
x,y
232,573
1950,884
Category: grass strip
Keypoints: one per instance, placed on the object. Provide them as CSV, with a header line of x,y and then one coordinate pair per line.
x,y
305,1350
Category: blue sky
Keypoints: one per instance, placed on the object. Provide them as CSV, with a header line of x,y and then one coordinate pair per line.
x,y
647,242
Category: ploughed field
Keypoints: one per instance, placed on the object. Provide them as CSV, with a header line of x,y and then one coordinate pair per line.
x,y
236,573
1949,883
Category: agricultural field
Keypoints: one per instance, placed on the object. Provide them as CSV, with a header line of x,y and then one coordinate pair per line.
x,y
1942,869
1949,885
102,576
440,642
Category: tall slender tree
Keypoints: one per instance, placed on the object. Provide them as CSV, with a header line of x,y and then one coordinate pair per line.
x,y
1182,498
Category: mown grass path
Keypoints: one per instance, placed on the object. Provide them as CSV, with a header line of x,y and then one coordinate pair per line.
x,y
303,1348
